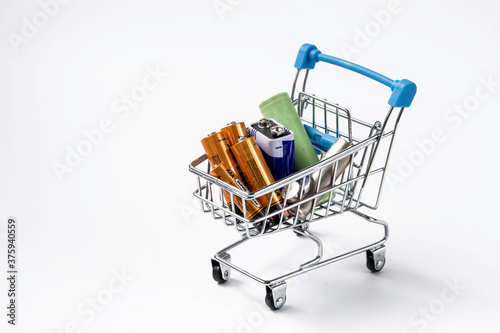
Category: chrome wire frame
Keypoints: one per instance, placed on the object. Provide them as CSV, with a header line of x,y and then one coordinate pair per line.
x,y
345,194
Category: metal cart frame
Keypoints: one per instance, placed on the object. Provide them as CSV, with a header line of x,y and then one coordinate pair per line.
x,y
346,193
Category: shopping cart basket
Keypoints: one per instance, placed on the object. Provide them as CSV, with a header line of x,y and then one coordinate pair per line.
x,y
346,193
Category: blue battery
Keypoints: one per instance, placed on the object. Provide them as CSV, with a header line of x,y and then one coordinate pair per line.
x,y
276,143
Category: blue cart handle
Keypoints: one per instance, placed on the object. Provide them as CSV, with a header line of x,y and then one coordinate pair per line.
x,y
403,91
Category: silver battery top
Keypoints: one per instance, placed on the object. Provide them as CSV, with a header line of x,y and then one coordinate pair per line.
x,y
264,123
277,131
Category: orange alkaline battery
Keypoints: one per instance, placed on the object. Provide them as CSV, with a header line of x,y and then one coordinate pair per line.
x,y
217,149
224,173
255,170
234,131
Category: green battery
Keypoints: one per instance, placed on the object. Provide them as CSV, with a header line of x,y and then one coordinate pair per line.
x,y
280,108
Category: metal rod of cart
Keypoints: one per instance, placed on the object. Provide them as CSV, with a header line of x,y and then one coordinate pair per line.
x,y
367,157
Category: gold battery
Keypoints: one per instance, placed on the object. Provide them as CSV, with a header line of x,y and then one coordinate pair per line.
x,y
233,131
224,173
255,170
217,149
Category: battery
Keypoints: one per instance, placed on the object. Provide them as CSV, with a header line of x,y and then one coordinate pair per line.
x,y
224,173
255,170
277,145
233,131
217,149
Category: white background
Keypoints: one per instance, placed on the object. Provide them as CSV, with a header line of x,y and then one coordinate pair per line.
x,y
128,205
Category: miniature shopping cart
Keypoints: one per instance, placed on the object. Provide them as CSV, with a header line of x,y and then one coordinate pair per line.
x,y
368,156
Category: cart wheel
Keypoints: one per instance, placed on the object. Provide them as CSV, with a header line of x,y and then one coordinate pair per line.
x,y
375,259
276,296
219,274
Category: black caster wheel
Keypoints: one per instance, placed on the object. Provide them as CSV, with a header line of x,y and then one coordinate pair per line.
x,y
220,275
277,300
375,260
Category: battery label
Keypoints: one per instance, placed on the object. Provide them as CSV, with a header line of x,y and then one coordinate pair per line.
x,y
245,189
216,159
257,175
222,172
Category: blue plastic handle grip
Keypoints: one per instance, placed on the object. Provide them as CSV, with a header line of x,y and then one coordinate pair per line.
x,y
403,91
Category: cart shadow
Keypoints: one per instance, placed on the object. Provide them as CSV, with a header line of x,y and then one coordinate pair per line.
x,y
374,295
233,282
